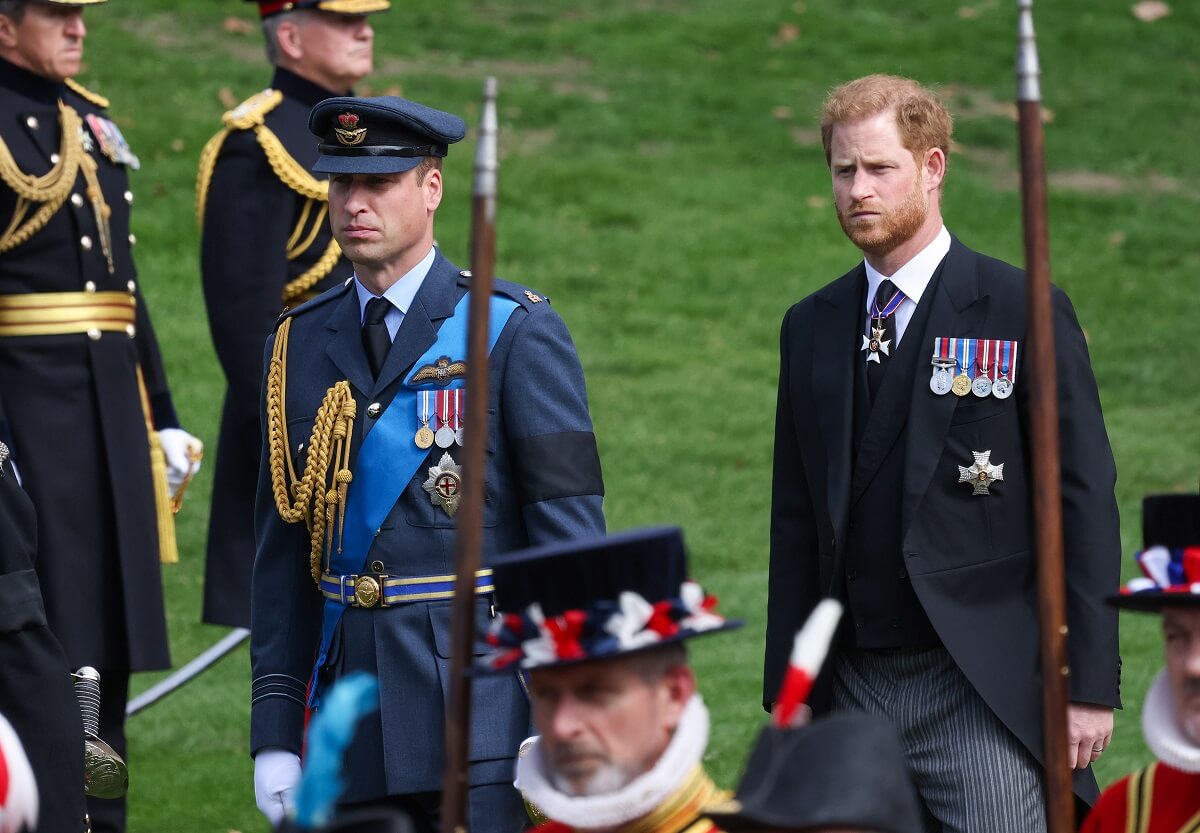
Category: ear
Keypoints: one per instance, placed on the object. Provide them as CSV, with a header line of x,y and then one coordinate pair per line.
x,y
433,190
8,32
934,168
290,40
678,685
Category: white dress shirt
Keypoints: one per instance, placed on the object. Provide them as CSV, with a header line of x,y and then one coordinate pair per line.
x,y
912,278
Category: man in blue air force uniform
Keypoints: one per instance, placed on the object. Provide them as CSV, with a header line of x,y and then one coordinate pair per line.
x,y
359,485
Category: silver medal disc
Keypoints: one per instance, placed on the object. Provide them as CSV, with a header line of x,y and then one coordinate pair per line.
x,y
982,386
444,437
1002,389
940,382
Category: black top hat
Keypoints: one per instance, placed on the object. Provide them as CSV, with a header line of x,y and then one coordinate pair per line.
x,y
1170,560
845,770
383,135
595,598
270,8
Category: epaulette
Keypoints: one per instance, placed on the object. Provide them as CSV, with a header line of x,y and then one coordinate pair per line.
x,y
253,111
324,298
86,94
523,295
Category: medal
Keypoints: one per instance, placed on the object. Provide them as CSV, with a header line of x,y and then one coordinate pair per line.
x,y
424,437
112,142
444,484
1007,361
877,344
941,380
962,382
456,421
445,435
981,474
982,385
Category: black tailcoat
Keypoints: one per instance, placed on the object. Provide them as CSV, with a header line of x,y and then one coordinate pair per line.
x,y
250,215
74,406
970,558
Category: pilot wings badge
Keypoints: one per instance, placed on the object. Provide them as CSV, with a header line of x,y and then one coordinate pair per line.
x,y
441,372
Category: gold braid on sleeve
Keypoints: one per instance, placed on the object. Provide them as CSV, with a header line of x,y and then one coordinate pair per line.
x,y
50,189
315,497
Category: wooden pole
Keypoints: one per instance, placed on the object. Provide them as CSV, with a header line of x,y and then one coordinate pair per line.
x,y
1041,375
468,549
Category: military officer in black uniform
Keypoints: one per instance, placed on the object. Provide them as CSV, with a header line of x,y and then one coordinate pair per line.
x,y
266,246
35,686
95,434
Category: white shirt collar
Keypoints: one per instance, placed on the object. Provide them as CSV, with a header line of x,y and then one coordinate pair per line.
x,y
914,276
402,292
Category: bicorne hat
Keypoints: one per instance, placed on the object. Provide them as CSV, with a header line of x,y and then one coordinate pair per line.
x,y
596,598
1170,558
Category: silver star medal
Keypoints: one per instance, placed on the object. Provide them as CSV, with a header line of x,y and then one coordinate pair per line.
x,y
85,139
981,474
445,484
875,345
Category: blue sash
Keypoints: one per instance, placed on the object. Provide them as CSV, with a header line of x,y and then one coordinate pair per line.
x,y
388,458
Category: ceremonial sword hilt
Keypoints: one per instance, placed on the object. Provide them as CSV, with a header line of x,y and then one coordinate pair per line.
x,y
104,772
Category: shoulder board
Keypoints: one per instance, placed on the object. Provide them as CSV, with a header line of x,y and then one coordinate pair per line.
x,y
321,300
86,94
251,112
523,295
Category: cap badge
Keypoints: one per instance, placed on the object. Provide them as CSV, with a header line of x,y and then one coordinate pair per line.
x,y
349,133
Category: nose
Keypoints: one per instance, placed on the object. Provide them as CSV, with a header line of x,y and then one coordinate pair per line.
x,y
565,723
74,26
862,187
365,32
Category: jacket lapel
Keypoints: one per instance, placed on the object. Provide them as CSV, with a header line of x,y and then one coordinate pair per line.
x,y
839,308
345,348
959,310
434,303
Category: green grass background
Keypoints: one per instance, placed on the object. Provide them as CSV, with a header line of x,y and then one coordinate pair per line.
x,y
662,180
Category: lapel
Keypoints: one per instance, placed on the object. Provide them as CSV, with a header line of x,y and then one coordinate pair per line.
x,y
433,304
345,348
839,308
959,310
887,418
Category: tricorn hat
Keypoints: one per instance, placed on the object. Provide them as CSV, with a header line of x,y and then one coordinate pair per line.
x,y
270,8
384,135
596,598
845,770
1170,558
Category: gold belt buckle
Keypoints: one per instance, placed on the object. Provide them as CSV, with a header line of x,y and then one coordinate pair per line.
x,y
368,591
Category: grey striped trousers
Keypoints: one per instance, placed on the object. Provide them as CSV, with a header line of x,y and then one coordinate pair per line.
x,y
972,774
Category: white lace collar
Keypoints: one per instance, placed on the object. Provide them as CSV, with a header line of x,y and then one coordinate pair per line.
x,y
1160,725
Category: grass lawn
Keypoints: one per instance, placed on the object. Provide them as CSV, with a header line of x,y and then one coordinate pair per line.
x,y
662,180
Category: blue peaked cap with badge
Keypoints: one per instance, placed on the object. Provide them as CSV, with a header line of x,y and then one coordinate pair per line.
x,y
386,135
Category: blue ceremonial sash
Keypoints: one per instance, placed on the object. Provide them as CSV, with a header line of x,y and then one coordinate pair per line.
x,y
388,458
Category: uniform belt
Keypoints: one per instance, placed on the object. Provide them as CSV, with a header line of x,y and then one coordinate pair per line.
x,y
61,313
380,590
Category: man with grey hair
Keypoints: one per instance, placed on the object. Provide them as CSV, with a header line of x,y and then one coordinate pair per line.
x,y
266,245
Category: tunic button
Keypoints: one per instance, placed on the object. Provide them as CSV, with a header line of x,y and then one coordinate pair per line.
x,y
31,122
374,410
55,159
90,286
132,330
131,286
132,239
86,242
377,566
77,200
94,334
129,197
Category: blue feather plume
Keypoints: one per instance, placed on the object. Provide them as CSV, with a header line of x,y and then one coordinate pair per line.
x,y
355,696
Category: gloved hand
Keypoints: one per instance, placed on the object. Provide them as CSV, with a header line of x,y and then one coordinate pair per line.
x,y
183,452
276,774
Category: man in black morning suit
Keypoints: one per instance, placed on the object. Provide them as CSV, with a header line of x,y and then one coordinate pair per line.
x,y
265,246
883,494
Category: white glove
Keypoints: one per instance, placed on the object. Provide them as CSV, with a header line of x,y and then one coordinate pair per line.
x,y
182,451
276,774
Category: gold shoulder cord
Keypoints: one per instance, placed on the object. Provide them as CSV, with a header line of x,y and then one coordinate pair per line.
x,y
313,499
251,115
50,189
85,93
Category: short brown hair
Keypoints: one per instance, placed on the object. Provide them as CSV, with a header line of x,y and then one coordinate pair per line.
x,y
428,163
922,118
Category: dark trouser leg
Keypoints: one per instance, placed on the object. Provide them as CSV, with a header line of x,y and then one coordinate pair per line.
x,y
108,814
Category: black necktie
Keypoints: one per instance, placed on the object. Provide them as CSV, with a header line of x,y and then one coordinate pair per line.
x,y
875,369
376,340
